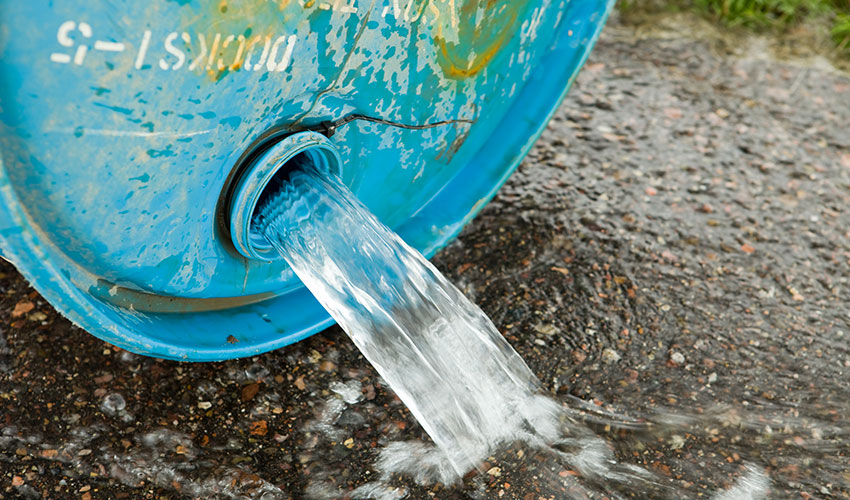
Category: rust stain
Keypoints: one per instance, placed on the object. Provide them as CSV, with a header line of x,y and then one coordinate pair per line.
x,y
460,69
485,27
452,147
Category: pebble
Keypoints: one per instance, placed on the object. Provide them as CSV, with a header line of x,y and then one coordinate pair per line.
x,y
610,355
677,357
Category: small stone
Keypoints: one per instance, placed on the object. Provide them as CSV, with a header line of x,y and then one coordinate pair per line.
x,y
712,378
668,255
259,428
348,443
546,329
314,356
495,471
85,489
37,316
204,405
610,355
17,481
677,358
464,267
22,308
673,113
676,442
249,391
562,270
795,294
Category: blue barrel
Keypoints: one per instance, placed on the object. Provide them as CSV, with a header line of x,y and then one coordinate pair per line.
x,y
136,139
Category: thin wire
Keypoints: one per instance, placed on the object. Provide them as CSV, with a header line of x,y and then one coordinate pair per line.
x,y
329,128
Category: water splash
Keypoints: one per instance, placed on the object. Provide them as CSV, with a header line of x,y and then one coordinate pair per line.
x,y
468,388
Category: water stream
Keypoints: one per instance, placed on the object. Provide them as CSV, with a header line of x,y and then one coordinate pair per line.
x,y
439,352
468,388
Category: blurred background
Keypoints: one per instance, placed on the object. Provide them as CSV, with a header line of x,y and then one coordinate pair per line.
x,y
821,26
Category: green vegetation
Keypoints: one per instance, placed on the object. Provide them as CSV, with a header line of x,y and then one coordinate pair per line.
x,y
841,31
774,15
770,13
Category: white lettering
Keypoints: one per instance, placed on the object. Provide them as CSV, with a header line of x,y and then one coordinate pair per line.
x,y
214,49
143,49
263,55
199,59
275,56
287,53
64,39
174,51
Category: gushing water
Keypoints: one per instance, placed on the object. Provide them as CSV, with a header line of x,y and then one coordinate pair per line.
x,y
439,352
445,359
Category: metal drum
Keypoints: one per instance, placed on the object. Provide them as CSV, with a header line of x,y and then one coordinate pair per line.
x,y
136,137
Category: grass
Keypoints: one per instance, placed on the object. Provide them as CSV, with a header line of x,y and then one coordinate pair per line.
x,y
774,15
841,32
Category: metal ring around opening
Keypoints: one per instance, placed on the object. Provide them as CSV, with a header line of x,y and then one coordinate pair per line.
x,y
317,148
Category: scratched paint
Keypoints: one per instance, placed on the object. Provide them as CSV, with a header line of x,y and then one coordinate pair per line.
x,y
121,121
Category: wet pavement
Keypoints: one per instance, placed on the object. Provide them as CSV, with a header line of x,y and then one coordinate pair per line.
x,y
671,260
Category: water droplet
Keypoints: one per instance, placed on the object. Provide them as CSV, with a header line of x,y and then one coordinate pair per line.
x,y
113,403
256,372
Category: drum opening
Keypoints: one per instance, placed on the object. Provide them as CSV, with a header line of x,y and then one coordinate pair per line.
x,y
264,176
